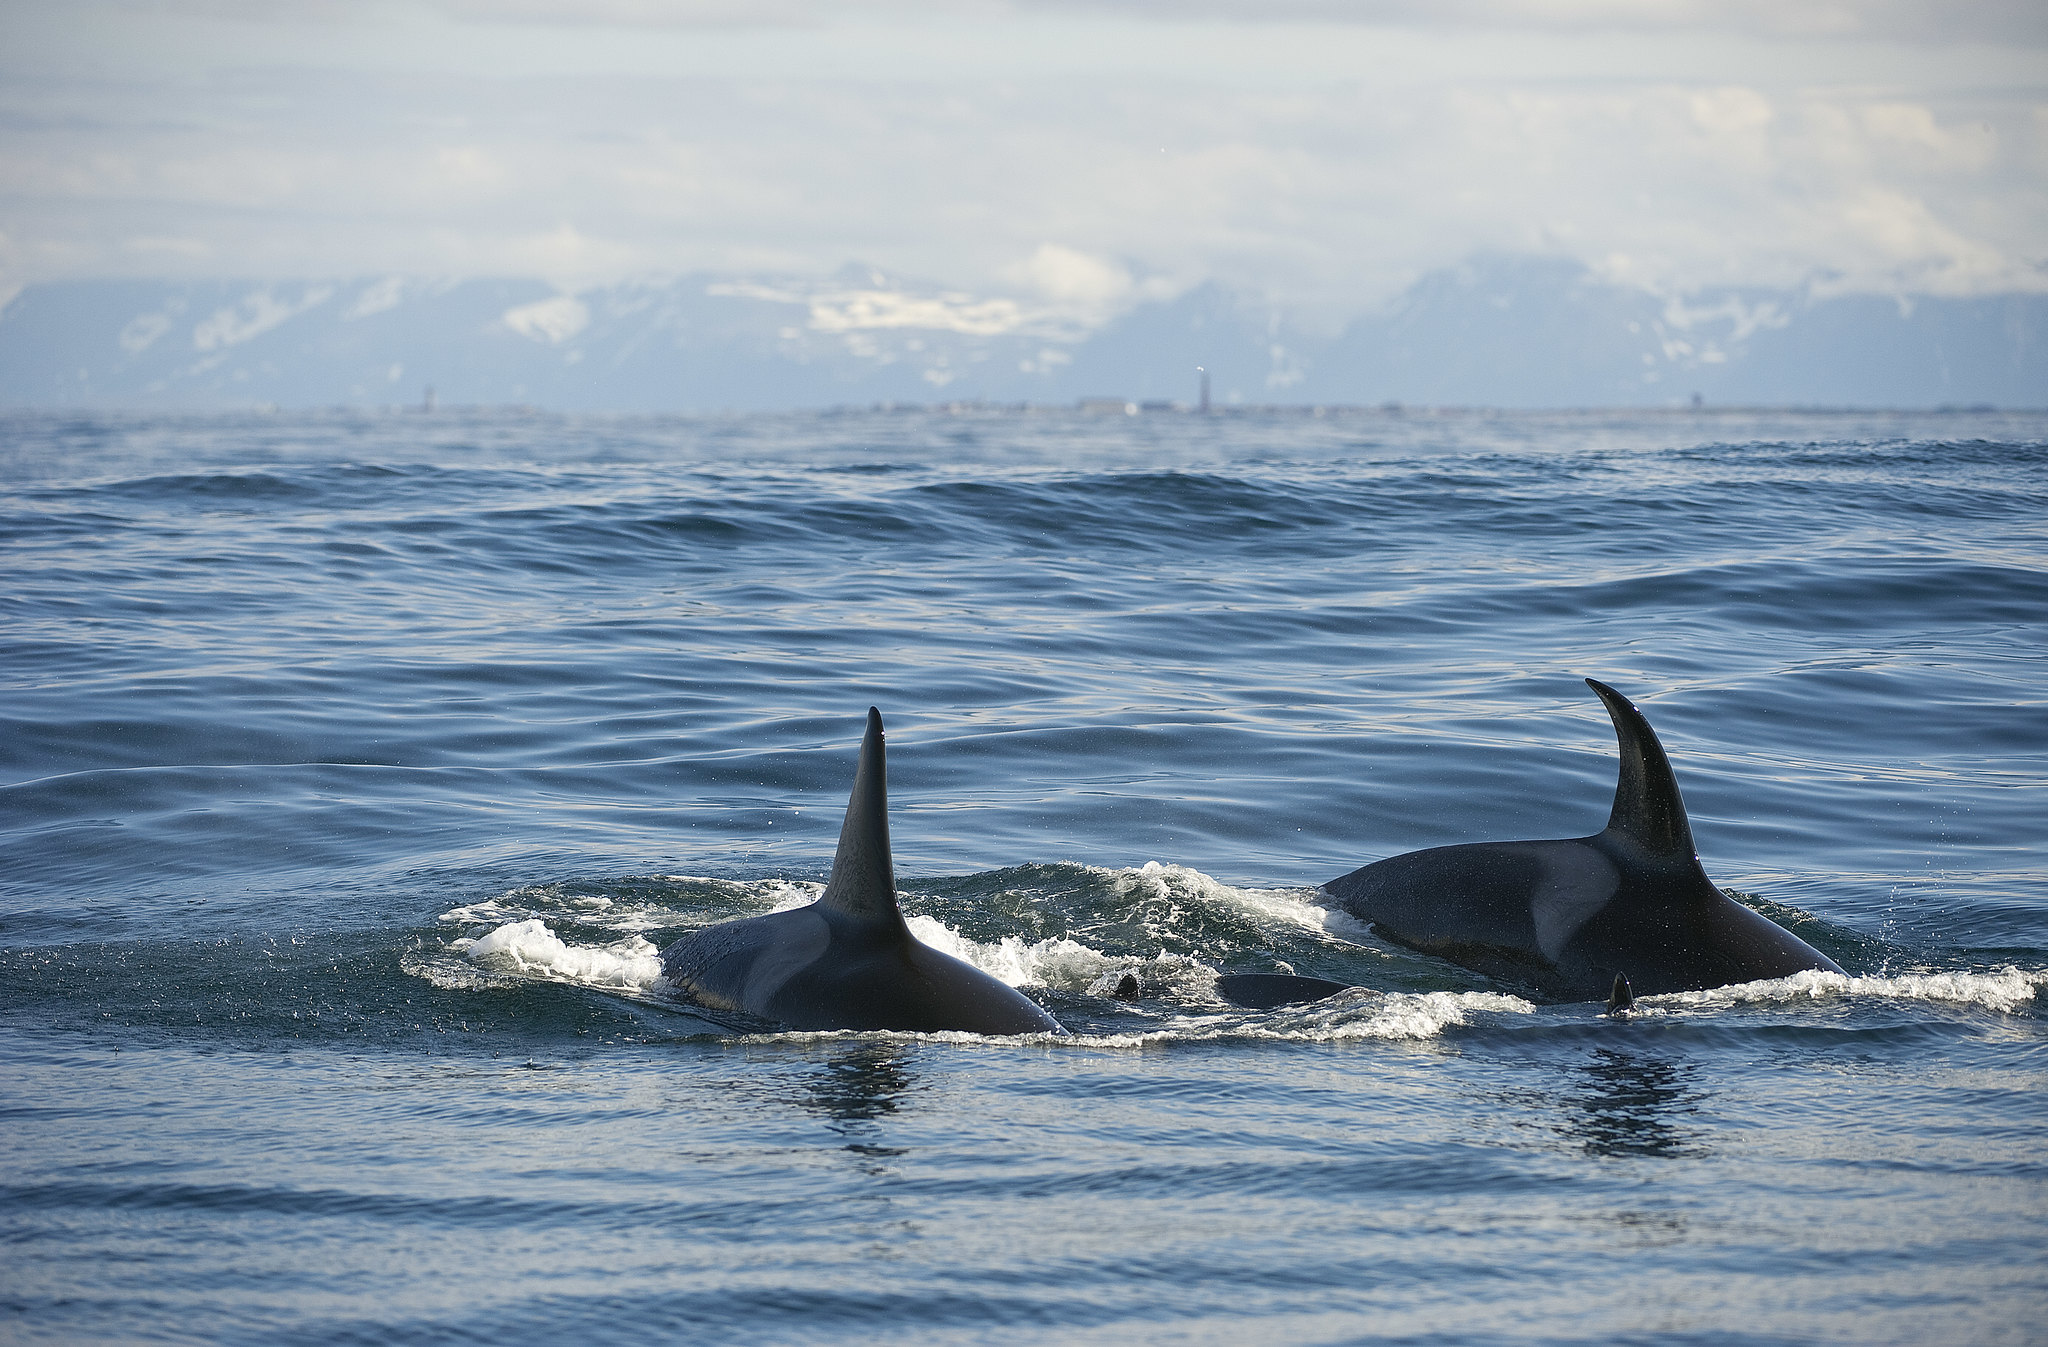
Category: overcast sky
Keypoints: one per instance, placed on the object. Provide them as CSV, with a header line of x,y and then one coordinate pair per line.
x,y
1324,153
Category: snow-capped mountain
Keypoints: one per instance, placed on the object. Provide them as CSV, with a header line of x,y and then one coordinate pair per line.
x,y
1502,331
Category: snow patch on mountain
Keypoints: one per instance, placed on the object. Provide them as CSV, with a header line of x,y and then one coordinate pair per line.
x,y
552,321
257,313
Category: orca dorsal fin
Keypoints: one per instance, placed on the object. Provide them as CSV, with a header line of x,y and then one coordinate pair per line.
x,y
863,883
1647,808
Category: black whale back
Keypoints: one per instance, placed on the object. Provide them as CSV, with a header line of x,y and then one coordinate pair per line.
x,y
1564,918
848,961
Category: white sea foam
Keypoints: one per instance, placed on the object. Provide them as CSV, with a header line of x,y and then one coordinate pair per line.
x,y
1390,1015
781,895
2006,990
1011,959
530,949
1357,1016
1349,1016
522,944
560,903
1059,962
449,972
1053,962
1290,907
490,910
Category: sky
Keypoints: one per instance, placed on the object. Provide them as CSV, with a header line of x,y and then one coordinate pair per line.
x,y
1087,153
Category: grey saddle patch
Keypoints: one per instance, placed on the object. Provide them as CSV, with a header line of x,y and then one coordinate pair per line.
x,y
1577,881
802,945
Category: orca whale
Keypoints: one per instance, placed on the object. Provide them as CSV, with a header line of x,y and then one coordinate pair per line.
x,y
1568,918
847,961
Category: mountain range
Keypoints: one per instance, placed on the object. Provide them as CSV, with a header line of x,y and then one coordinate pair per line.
x,y
1508,331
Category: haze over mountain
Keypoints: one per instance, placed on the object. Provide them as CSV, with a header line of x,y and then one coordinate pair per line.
x,y
648,204
1496,331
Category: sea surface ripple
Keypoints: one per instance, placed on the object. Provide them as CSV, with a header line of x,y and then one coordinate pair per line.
x,y
354,768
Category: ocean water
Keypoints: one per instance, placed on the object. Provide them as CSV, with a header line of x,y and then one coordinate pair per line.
x,y
355,767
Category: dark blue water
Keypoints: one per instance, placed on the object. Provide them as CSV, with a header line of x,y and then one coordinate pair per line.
x,y
353,769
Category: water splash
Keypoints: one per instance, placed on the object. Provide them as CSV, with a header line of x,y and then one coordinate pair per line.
x,y
2006,990
529,949
1284,907
1359,1014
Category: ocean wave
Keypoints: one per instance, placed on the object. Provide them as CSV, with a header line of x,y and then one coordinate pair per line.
x,y
446,970
1063,964
1360,1015
1169,906
1287,907
529,949
1354,1015
2007,989
695,901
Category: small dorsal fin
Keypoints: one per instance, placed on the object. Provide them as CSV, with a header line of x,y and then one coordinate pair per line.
x,y
1647,808
863,883
1622,999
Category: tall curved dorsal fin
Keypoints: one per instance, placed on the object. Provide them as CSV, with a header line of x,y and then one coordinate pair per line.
x,y
1646,804
863,883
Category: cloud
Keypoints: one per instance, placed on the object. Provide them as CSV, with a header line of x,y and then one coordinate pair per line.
x,y
1069,276
1327,196
1941,20
1938,20
1070,190
656,13
159,248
